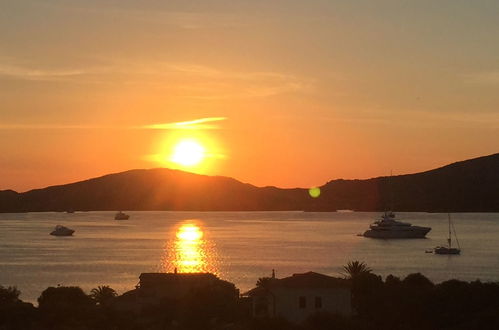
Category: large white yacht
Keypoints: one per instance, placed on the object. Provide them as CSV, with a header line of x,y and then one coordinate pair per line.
x,y
388,227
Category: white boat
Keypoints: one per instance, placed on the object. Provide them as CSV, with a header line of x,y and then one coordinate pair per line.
x,y
60,230
449,249
121,216
388,227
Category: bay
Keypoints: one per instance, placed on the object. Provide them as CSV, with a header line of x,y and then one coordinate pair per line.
x,y
238,246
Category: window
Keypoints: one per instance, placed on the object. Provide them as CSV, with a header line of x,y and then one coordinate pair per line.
x,y
318,302
302,302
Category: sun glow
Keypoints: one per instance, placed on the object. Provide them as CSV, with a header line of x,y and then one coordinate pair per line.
x,y
188,153
189,251
189,232
189,150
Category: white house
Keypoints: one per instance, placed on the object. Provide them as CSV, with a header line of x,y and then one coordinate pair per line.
x,y
299,296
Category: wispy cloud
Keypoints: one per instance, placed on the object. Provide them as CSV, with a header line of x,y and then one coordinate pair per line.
x,y
191,124
167,14
491,77
8,126
183,80
198,124
27,73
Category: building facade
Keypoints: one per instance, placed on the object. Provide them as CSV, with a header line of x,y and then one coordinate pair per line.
x,y
299,296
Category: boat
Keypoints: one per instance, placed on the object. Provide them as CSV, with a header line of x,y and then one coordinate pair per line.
x,y
121,216
60,230
449,249
388,227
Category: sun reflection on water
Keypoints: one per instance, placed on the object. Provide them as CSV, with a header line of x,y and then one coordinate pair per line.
x,y
190,251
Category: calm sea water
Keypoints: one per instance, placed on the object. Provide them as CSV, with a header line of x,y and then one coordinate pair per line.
x,y
239,246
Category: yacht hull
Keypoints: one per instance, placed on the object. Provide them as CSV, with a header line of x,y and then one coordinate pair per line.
x,y
446,250
413,232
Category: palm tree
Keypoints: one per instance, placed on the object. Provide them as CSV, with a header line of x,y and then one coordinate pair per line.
x,y
103,294
355,268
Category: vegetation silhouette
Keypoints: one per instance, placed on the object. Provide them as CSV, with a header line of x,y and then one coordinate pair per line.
x,y
354,269
263,281
103,295
15,314
410,303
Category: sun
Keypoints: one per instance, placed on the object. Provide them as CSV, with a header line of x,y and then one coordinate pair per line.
x,y
188,153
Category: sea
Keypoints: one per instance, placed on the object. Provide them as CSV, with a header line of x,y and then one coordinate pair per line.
x,y
239,247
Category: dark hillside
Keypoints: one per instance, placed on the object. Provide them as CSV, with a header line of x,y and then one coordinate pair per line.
x,y
467,186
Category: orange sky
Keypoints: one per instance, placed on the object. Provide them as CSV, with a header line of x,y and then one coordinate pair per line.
x,y
299,92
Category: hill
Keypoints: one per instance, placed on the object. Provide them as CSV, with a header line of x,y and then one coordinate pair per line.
x,y
466,186
153,189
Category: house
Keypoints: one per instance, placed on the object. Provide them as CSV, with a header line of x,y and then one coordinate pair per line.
x,y
299,296
156,288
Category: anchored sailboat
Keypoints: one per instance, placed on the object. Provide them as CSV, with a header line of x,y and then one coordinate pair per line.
x,y
449,249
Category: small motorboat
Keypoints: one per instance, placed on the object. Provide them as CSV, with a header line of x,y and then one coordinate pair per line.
x,y
60,230
121,216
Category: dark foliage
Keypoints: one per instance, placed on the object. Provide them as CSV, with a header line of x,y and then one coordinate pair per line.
x,y
413,303
354,269
9,295
66,307
263,281
15,314
103,295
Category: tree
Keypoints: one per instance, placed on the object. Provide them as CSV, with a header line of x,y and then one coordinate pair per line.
x,y
263,281
9,295
392,281
354,269
102,295
66,307
417,281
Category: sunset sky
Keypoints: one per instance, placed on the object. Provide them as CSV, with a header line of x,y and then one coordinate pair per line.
x,y
286,93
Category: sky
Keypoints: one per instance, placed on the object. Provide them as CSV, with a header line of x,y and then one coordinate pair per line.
x,y
285,93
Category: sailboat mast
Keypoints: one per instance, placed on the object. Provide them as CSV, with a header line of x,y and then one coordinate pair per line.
x,y
449,240
390,187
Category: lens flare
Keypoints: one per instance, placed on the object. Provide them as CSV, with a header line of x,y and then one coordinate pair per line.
x,y
314,192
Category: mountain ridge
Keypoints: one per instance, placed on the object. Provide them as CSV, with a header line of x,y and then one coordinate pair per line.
x,y
464,186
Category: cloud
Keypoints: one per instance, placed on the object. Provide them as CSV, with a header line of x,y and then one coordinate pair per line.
x,y
8,126
166,13
184,80
491,77
199,124
27,73
205,82
191,124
